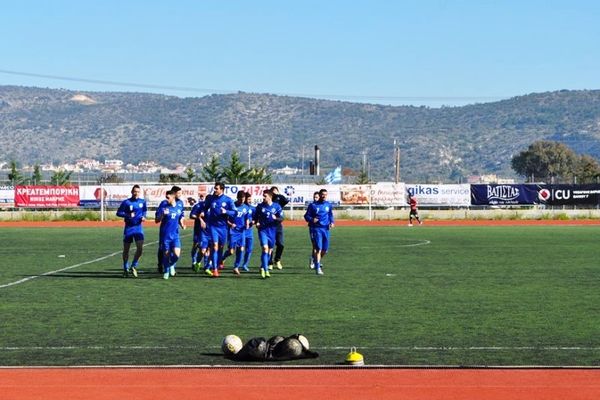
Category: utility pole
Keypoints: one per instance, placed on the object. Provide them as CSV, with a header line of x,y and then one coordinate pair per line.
x,y
317,161
365,166
249,156
396,162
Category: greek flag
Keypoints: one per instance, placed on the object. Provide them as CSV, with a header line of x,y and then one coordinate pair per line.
x,y
334,176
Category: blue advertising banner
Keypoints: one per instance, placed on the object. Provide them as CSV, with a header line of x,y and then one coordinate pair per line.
x,y
559,195
503,195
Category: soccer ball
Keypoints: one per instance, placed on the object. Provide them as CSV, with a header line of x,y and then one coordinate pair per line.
x,y
231,345
304,341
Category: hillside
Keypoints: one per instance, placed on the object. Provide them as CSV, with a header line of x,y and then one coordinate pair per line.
x,y
437,144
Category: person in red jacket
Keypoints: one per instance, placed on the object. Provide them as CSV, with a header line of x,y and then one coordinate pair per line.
x,y
414,210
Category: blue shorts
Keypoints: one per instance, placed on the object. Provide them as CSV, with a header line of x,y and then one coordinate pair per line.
x,y
236,239
170,243
267,236
248,240
321,239
133,237
201,239
218,235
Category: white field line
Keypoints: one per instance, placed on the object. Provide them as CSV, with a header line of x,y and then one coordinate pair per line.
x,y
391,348
71,266
421,242
20,281
60,270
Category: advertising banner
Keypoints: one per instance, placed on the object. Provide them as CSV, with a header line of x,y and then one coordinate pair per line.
x,y
298,195
7,196
441,195
558,195
388,194
114,194
154,194
39,196
355,194
503,195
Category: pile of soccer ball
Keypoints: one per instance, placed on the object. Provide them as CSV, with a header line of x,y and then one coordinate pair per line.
x,y
277,348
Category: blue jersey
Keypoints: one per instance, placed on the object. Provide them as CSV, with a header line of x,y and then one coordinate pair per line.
x,y
171,215
132,211
268,216
322,211
178,203
195,214
220,209
251,211
240,219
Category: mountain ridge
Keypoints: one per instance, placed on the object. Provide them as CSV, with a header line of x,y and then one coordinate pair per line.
x,y
444,144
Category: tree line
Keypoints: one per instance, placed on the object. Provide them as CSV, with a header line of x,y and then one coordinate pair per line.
x,y
554,162
16,177
543,161
234,173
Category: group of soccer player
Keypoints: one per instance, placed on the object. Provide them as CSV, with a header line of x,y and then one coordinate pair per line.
x,y
219,221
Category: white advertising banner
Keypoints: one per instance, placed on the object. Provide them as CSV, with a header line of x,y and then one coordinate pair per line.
x,y
298,195
380,194
388,194
7,196
114,194
442,195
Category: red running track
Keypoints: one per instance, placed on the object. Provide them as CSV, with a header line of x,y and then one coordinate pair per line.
x,y
297,383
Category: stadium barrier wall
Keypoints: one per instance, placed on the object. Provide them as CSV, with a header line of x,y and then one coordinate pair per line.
x,y
382,200
359,214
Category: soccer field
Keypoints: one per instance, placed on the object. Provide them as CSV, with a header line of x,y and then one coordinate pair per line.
x,y
403,296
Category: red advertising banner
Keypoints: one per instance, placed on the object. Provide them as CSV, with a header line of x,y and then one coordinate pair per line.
x,y
46,196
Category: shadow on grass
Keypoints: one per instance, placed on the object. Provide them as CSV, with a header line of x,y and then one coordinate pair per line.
x,y
118,274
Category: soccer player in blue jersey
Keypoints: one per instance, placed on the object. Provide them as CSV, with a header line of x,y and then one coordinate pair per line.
x,y
238,225
266,218
320,215
178,193
170,216
311,262
248,234
200,240
220,207
133,211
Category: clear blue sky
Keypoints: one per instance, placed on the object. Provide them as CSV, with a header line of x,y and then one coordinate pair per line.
x,y
389,52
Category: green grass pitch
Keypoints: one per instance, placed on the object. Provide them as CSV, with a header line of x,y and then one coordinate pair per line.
x,y
402,296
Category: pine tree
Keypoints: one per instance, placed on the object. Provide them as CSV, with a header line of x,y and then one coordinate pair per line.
x,y
36,177
190,173
235,172
61,178
259,176
211,172
363,176
14,176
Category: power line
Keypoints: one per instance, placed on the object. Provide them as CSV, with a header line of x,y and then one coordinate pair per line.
x,y
115,83
225,91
